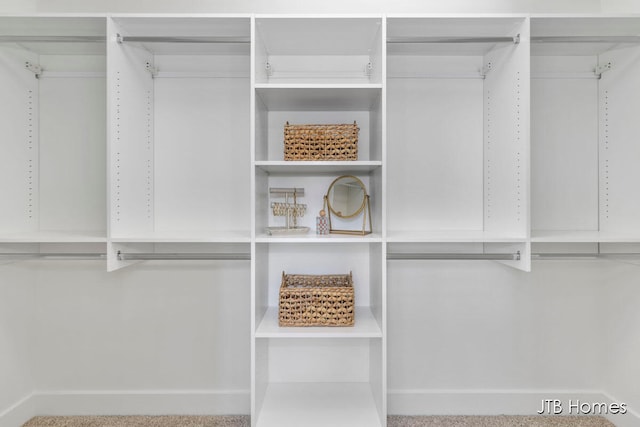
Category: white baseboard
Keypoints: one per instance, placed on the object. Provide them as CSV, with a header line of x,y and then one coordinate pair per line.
x,y
142,402
630,419
18,413
482,402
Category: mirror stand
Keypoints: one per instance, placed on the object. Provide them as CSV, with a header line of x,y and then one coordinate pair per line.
x,y
366,217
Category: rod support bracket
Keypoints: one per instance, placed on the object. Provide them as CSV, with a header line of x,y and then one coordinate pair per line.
x,y
368,69
151,69
34,68
486,69
516,39
119,38
601,69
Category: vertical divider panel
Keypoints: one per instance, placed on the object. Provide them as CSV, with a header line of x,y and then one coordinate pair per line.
x,y
19,181
377,353
506,142
129,144
619,104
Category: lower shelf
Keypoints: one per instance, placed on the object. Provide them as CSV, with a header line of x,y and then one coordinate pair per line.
x,y
318,405
365,326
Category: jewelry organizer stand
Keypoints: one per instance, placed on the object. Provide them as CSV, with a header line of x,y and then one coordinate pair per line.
x,y
292,211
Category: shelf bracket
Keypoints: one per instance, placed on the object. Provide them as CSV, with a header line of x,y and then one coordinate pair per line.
x,y
35,69
151,69
601,69
269,69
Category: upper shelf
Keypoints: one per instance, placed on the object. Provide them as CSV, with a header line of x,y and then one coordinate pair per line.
x,y
450,36
321,97
318,36
55,35
186,35
561,36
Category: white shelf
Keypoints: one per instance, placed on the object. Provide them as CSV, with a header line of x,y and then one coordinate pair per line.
x,y
365,326
582,236
563,26
185,237
319,97
54,237
318,405
318,167
316,35
43,27
452,236
314,238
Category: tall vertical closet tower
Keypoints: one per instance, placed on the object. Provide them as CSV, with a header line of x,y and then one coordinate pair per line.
x,y
317,70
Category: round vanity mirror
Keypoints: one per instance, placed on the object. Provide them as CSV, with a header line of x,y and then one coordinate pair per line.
x,y
346,196
346,200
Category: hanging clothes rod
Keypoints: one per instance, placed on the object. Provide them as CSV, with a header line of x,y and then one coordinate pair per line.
x,y
183,256
190,39
585,39
578,256
53,256
52,39
416,40
454,256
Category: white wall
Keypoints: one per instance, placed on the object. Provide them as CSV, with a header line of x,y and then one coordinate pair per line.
x,y
472,330
122,342
18,6
16,326
622,336
620,6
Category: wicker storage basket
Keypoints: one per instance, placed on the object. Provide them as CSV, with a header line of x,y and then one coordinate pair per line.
x,y
326,300
321,142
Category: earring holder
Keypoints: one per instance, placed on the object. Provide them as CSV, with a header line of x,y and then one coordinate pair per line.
x,y
292,211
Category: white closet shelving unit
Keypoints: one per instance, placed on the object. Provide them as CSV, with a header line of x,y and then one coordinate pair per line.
x,y
179,91
584,147
458,135
52,128
317,70
161,135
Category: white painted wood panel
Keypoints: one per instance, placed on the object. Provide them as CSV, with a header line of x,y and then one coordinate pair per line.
x,y
72,154
201,153
564,146
434,154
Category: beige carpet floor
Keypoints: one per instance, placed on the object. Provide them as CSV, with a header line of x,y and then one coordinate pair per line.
x,y
243,421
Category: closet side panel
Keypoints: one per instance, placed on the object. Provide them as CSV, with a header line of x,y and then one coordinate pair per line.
x,y
506,138
131,138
